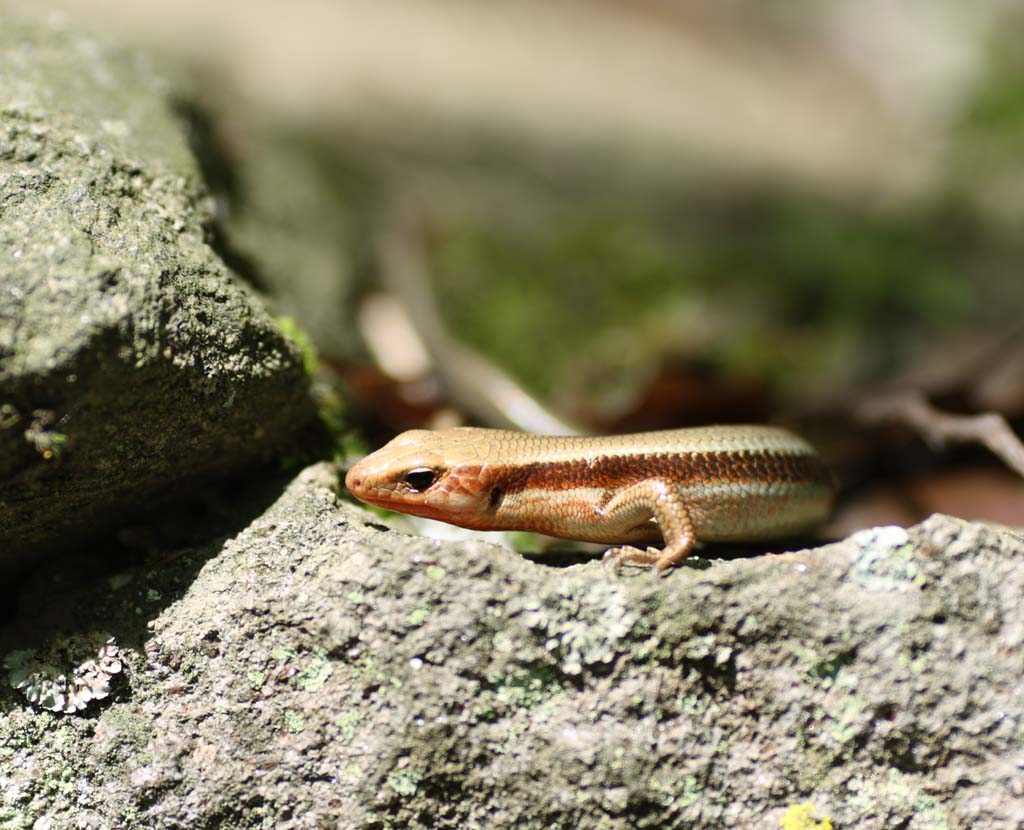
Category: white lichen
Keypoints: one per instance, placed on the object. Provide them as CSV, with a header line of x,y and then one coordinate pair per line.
x,y
49,682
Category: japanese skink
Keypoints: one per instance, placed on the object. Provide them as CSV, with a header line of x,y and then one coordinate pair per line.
x,y
681,486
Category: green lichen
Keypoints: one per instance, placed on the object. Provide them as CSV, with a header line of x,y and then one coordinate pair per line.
x,y
693,705
418,616
315,675
527,688
310,677
677,792
294,721
345,444
582,629
406,782
369,670
347,724
849,721
931,813
914,663
436,573
284,653
13,819
830,671
887,561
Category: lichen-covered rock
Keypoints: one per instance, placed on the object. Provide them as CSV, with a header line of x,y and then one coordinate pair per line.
x,y
131,359
318,671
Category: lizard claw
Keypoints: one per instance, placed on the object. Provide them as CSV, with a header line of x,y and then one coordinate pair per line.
x,y
612,560
614,557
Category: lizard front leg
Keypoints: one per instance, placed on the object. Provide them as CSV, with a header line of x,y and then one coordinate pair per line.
x,y
651,498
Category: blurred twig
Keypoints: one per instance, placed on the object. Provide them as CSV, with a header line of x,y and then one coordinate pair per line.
x,y
474,383
938,428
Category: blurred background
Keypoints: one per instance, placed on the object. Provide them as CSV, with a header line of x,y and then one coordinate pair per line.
x,y
622,216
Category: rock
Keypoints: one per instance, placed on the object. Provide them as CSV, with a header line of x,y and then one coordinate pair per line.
x,y
319,670
132,361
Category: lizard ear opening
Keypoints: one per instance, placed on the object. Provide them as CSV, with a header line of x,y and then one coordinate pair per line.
x,y
497,494
420,479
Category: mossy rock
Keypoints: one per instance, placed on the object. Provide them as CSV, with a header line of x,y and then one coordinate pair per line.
x,y
131,359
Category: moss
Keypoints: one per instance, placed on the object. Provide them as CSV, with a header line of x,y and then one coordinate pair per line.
x,y
991,127
814,278
303,342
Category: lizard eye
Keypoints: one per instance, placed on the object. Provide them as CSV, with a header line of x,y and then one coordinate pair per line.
x,y
420,479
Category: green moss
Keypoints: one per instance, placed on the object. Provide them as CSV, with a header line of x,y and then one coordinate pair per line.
x,y
991,129
585,300
303,342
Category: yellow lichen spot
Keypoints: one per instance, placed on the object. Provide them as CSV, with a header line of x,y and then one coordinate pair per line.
x,y
801,817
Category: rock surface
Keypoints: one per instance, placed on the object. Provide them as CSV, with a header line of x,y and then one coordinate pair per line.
x,y
131,360
317,670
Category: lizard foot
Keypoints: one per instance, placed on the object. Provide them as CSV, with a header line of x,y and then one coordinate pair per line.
x,y
614,557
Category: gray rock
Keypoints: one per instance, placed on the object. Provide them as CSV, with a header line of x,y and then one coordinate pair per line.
x,y
317,670
131,359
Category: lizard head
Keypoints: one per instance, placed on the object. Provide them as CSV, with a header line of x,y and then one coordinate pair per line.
x,y
440,474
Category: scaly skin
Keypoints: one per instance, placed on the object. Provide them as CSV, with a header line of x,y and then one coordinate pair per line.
x,y
709,483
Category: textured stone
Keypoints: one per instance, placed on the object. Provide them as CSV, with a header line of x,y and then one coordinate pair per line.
x,y
315,670
131,359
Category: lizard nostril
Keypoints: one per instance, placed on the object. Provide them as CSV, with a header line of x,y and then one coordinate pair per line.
x,y
352,481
